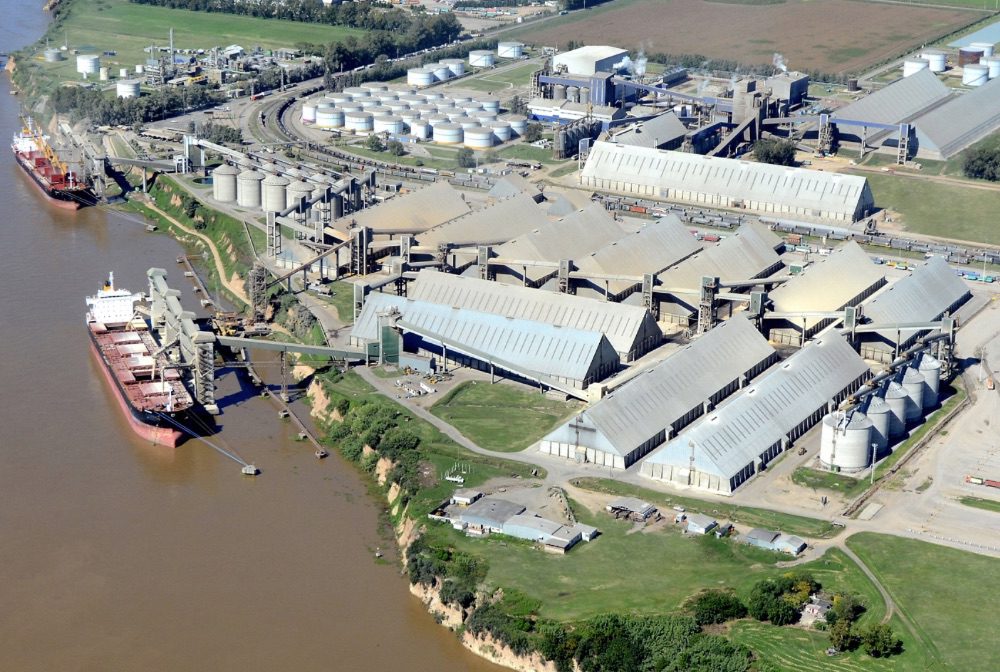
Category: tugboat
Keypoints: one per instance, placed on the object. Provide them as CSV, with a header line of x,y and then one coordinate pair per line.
x,y
250,470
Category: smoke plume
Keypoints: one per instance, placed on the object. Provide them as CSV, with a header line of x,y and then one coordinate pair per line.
x,y
779,62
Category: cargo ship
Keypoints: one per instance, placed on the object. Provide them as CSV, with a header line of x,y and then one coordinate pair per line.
x,y
50,174
150,392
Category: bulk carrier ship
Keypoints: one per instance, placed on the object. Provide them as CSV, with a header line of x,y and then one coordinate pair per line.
x,y
150,392
50,174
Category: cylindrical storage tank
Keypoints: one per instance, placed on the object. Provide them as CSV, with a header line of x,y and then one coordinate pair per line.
x,y
248,189
122,73
139,68
518,124
298,191
441,72
436,119
969,55
458,100
484,115
273,196
457,115
366,103
413,99
491,104
878,411
432,95
88,64
425,109
127,88
448,134
470,105
510,50
378,111
388,124
845,441
331,117
339,99
584,94
443,106
985,47
478,138
420,129
501,130
309,112
852,84
993,67
468,122
573,94
559,92
374,87
975,74
224,183
54,56
356,92
358,121
936,58
912,66
480,58
350,107
913,385
896,397
930,370
396,107
456,65
409,116
105,73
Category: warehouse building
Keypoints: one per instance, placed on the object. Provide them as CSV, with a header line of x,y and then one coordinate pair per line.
x,y
562,358
588,60
554,537
799,193
650,409
631,330
774,541
727,447
844,278
661,132
966,119
488,514
416,211
567,111
514,185
928,293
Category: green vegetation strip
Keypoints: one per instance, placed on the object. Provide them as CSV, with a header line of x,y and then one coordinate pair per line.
x,y
826,480
980,503
957,397
501,417
744,515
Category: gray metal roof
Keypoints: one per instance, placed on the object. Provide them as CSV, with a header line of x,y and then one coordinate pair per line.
x,y
745,255
829,283
961,122
421,209
623,325
898,102
365,328
701,520
512,185
660,174
633,504
490,510
654,132
499,222
654,400
737,433
923,296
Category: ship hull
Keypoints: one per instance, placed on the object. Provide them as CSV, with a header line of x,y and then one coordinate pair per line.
x,y
144,424
65,200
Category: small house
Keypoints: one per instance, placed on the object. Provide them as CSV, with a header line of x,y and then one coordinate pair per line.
x,y
465,496
700,524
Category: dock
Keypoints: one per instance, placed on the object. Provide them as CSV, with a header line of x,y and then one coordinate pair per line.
x,y
285,411
189,272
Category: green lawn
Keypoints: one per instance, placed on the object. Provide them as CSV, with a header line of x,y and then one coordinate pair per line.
x,y
501,416
826,480
342,300
565,170
528,153
947,593
743,516
499,82
980,503
406,159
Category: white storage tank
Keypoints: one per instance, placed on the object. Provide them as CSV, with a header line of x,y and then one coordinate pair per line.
x,y
443,106
936,58
224,183
378,111
128,88
573,94
388,124
374,87
484,115
139,68
518,124
350,107
510,50
122,73
845,441
330,117
55,55
105,73
309,112
88,64
559,92
420,129
436,119
248,189
358,121
356,92
877,410
974,74
339,99
480,58
470,105
456,65
913,385
396,107
409,116
298,192
426,109
468,122
896,397
478,138
930,370
448,134
413,99
993,67
273,193
501,130
985,47
458,100
441,72
491,104
912,66
366,103
432,95
456,116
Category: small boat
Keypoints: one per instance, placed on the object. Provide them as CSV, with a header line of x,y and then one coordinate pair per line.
x,y
250,470
320,453
378,552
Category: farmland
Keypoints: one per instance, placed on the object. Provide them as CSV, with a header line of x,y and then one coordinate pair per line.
x,y
804,32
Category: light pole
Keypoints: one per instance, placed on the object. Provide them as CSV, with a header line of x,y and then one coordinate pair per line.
x,y
874,447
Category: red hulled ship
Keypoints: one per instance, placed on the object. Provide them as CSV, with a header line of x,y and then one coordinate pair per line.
x,y
50,174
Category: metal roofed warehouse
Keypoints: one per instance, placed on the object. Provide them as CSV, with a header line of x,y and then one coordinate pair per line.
x,y
945,131
650,409
740,438
589,59
901,101
800,193
417,210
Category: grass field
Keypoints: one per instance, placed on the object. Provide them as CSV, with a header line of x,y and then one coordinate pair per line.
x,y
342,300
826,480
498,82
751,31
947,593
980,503
501,417
527,153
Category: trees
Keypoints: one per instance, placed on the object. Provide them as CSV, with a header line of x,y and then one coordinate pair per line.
x,y
842,636
778,152
374,143
717,606
533,133
879,640
517,105
395,147
845,608
982,163
465,158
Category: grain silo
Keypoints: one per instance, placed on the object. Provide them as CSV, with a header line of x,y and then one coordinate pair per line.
x,y
912,66
481,58
913,385
248,189
895,396
273,196
448,134
845,441
510,49
478,138
88,64
974,74
877,410
224,183
128,88
930,370
298,192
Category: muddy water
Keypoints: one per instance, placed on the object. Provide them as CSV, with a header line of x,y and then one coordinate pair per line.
x,y
116,555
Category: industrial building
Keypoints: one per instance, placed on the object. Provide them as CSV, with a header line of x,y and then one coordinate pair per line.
x,y
588,60
557,111
944,132
797,193
664,131
650,409
554,537
929,292
775,541
728,446
846,277
700,524
418,210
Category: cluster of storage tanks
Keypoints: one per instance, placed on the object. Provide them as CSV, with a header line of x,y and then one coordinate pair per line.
x,y
847,437
269,191
432,73
978,63
430,115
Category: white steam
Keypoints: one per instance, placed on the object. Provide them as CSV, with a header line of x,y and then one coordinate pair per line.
x,y
779,62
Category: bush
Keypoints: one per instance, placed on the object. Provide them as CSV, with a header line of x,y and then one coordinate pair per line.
x,y
465,158
982,163
395,147
717,606
374,143
778,152
457,593
842,637
845,608
880,641
533,133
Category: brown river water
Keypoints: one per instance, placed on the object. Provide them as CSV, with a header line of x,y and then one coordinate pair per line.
x,y
117,555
